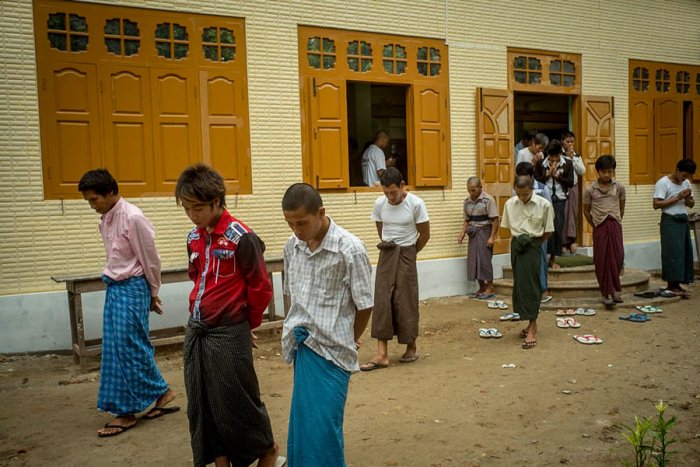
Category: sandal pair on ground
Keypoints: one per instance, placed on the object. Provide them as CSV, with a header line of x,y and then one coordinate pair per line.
x,y
648,309
490,333
568,323
497,304
588,339
577,311
155,412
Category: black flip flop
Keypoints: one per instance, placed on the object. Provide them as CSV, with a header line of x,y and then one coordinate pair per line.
x,y
162,411
121,428
371,366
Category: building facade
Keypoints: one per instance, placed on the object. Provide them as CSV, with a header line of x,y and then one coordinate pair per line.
x,y
272,93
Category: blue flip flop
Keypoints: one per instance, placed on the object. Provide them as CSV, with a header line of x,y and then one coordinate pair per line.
x,y
636,317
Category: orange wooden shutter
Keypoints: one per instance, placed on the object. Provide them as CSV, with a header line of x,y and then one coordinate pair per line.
x,y
430,119
641,141
495,140
128,127
598,130
70,126
668,134
329,132
176,127
225,133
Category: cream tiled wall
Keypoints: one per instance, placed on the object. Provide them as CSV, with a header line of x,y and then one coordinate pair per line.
x,y
40,238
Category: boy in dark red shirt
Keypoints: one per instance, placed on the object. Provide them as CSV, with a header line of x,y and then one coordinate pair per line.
x,y
228,421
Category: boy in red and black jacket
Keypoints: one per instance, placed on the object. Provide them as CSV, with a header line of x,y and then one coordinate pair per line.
x,y
228,421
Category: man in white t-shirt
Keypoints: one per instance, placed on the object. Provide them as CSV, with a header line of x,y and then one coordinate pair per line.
x,y
373,159
533,153
673,195
404,229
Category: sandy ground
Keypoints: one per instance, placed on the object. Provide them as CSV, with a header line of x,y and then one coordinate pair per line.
x,y
456,406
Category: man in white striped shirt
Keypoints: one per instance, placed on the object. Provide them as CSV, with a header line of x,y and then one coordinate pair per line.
x,y
328,280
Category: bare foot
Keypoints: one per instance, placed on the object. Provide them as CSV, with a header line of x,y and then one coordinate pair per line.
x,y
117,425
269,459
555,266
161,403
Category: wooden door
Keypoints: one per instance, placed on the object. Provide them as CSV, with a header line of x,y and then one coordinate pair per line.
x,y
224,124
328,132
128,127
70,125
495,158
430,138
668,134
175,123
598,130
696,137
642,141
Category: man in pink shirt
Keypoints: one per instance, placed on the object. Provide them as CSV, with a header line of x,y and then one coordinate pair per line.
x,y
130,380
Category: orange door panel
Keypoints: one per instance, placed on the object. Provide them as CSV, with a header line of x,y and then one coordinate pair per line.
x,y
329,132
668,134
128,127
70,126
175,122
598,129
696,137
430,138
495,141
641,141
225,127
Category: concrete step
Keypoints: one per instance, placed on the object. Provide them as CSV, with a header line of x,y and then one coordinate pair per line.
x,y
576,273
634,280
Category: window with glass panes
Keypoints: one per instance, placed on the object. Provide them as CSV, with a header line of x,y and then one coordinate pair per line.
x,y
143,93
544,71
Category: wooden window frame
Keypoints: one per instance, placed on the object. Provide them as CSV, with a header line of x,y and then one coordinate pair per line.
x,y
546,57
96,60
310,77
646,164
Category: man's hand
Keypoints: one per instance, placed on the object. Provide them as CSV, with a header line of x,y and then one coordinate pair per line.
x,y
358,344
155,305
683,194
489,243
460,239
254,338
552,171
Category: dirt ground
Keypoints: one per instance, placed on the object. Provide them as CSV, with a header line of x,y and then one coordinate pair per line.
x,y
563,403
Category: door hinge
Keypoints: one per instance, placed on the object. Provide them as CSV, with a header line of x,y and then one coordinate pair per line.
x,y
612,106
314,86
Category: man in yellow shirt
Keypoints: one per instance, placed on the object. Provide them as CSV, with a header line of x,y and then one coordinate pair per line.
x,y
531,221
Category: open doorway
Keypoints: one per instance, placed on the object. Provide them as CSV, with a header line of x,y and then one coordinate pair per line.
x,y
550,114
373,107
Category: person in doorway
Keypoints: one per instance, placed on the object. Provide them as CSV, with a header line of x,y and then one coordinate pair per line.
x,y
481,225
229,424
327,277
604,208
571,211
530,220
129,377
404,229
539,189
674,195
525,142
374,160
532,153
557,174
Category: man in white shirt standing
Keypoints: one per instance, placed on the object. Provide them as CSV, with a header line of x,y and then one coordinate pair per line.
x,y
404,229
373,159
674,195
533,153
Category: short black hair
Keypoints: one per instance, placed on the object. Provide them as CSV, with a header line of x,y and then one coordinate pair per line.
x,y
567,134
605,162
200,183
529,136
523,181
525,168
302,195
391,176
555,148
686,165
100,181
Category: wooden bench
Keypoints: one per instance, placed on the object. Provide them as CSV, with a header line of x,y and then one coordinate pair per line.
x,y
77,285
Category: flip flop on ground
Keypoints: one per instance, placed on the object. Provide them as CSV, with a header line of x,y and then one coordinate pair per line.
x,y
371,366
588,339
483,332
546,299
491,304
486,296
510,317
409,359
584,311
567,312
648,309
561,323
120,429
636,317
495,333
529,344
572,323
157,412
502,305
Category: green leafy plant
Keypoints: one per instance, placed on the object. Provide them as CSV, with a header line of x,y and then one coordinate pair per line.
x,y
650,438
